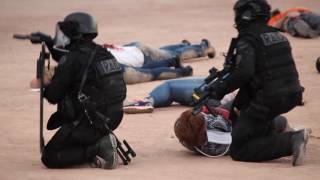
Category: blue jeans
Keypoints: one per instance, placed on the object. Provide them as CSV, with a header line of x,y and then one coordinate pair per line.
x,y
177,90
184,51
153,71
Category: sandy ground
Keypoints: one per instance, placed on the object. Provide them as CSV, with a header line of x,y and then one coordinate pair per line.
x,y
159,155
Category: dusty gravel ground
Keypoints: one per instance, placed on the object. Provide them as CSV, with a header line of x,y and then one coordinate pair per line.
x,y
156,22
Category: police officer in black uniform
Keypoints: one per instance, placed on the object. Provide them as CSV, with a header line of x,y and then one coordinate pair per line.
x,y
266,76
89,89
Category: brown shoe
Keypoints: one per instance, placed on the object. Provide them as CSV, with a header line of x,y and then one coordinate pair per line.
x,y
209,49
187,71
186,42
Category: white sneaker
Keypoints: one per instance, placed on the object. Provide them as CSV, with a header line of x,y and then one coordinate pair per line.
x,y
139,106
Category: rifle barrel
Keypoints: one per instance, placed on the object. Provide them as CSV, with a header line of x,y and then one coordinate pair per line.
x,y
21,36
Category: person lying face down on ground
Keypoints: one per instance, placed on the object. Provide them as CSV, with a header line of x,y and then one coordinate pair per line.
x,y
210,134
297,21
143,63
168,92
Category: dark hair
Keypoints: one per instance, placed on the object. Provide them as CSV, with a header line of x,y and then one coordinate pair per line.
x,y
275,12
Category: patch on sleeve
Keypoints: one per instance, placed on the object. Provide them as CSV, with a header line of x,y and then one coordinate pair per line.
x,y
272,38
107,67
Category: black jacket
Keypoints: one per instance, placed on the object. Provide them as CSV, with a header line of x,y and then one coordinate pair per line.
x,y
107,90
263,66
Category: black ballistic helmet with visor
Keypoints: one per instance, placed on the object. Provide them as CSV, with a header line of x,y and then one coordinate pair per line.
x,y
247,11
75,26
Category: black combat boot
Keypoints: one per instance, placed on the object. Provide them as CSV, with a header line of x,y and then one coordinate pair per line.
x,y
106,153
177,62
186,42
299,142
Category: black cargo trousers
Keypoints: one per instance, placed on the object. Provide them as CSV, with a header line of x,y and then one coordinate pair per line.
x,y
75,143
253,136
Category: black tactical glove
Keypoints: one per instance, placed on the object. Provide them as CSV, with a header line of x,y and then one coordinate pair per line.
x,y
213,103
39,37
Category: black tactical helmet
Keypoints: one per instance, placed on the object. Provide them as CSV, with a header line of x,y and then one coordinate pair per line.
x,y
77,24
247,11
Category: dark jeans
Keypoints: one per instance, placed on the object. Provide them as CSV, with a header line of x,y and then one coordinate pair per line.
x,y
312,19
306,25
255,140
153,71
75,144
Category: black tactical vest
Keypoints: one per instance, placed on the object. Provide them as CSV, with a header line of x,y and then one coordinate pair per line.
x,y
105,84
276,73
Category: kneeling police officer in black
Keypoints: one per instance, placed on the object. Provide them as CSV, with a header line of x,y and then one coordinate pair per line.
x,y
265,73
87,84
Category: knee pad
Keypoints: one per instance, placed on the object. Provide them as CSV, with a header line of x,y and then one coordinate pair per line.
x,y
280,123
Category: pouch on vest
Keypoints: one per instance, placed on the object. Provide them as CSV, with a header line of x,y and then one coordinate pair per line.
x,y
68,109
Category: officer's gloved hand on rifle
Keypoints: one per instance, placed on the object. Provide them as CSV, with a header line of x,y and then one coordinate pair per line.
x,y
213,103
215,95
38,37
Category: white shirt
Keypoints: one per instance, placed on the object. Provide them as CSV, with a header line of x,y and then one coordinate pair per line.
x,y
128,55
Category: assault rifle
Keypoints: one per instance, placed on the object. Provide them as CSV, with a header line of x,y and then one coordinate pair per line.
x,y
40,75
201,94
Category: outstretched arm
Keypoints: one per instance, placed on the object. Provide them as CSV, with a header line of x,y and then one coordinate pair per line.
x,y
42,37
